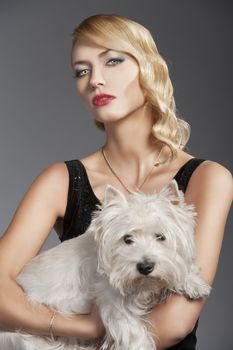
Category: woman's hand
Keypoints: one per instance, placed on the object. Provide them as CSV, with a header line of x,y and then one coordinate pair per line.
x,y
98,325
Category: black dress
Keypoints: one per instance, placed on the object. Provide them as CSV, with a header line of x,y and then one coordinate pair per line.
x,y
82,202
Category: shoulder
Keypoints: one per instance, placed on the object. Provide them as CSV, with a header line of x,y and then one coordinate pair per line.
x,y
56,177
210,189
57,172
207,175
210,167
212,176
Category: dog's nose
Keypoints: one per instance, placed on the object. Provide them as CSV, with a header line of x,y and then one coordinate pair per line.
x,y
145,267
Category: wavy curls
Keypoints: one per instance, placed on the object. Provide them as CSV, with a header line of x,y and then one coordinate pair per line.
x,y
123,34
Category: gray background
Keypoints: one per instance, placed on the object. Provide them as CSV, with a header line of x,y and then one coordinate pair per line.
x,y
44,121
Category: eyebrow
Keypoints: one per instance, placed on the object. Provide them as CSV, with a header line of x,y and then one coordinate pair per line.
x,y
99,55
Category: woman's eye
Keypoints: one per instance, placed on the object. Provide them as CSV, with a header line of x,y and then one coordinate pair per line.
x,y
160,237
128,239
79,73
117,60
112,62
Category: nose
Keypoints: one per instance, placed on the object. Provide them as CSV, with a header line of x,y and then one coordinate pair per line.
x,y
96,80
145,267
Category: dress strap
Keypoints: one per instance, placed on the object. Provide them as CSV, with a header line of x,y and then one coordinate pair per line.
x,y
74,193
184,174
81,200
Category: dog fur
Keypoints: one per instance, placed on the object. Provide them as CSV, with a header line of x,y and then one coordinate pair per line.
x,y
136,252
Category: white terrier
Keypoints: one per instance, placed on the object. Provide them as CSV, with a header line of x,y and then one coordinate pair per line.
x,y
135,253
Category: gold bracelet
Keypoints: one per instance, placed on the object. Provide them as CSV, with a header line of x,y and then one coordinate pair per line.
x,y
51,326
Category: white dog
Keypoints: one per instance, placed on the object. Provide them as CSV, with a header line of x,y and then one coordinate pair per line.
x,y
135,253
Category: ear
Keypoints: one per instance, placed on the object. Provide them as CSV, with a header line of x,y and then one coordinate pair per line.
x,y
171,190
112,195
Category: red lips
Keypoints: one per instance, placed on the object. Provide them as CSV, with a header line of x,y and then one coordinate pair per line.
x,y
101,99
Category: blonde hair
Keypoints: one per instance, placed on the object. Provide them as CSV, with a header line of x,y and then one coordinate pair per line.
x,y
122,34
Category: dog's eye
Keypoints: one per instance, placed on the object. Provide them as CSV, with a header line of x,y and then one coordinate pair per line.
x,y
128,239
160,237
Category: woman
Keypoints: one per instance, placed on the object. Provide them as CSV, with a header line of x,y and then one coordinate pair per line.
x,y
115,56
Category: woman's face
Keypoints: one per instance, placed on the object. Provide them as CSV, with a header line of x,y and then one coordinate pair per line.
x,y
102,71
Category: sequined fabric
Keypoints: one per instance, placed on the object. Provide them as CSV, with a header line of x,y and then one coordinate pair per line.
x,y
82,202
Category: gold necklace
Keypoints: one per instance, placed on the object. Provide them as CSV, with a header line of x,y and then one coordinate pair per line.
x,y
147,176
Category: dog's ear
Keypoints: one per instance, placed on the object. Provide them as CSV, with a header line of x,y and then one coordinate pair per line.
x,y
113,195
171,190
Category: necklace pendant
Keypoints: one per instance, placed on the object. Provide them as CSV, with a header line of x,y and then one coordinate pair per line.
x,y
137,190
130,191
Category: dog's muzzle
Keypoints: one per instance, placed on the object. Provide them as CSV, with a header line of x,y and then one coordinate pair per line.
x,y
145,267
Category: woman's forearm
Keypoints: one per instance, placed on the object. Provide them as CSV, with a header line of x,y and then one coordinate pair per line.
x,y
172,320
164,338
17,312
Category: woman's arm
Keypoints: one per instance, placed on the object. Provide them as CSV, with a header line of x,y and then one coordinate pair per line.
x,y
31,224
211,190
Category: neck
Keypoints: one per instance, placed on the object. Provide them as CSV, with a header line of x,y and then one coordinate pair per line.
x,y
131,145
